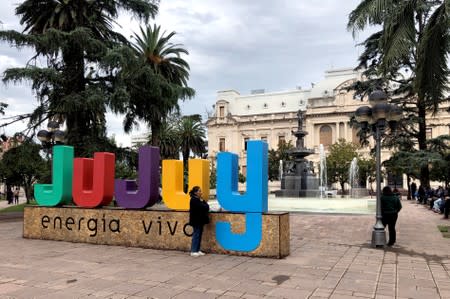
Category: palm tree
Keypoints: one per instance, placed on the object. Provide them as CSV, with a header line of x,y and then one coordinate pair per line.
x,y
67,15
411,50
191,132
169,146
73,36
155,50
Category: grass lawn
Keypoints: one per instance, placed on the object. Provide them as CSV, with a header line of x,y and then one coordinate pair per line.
x,y
445,230
15,208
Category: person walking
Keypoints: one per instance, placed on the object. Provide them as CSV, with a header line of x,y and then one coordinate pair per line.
x,y
421,194
198,217
413,191
16,196
390,206
9,195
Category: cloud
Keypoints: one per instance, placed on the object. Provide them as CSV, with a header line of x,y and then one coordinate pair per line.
x,y
241,45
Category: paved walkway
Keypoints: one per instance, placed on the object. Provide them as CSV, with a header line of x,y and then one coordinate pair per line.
x,y
330,258
4,203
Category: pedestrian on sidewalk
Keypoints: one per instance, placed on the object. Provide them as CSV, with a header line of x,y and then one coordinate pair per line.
x,y
9,195
16,196
413,191
198,217
390,206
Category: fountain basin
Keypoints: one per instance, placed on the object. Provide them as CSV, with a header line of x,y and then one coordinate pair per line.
x,y
363,206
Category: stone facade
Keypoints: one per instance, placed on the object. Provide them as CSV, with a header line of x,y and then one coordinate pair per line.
x,y
273,117
158,229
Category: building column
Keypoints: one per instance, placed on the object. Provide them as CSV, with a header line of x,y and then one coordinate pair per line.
x,y
338,133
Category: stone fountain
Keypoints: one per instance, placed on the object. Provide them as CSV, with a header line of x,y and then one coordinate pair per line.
x,y
298,179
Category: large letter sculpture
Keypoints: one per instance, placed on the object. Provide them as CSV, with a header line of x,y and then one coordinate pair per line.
x,y
60,191
128,195
253,203
173,179
93,180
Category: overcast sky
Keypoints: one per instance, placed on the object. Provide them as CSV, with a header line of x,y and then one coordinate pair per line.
x,y
241,45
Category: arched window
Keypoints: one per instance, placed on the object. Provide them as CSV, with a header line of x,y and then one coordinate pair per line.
x,y
326,135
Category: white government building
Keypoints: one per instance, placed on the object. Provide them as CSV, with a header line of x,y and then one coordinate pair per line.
x,y
272,117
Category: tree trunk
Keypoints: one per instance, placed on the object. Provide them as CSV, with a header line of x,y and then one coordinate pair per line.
x,y
422,141
77,123
185,154
155,127
27,188
408,182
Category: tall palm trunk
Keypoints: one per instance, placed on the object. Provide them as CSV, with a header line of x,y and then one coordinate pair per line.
x,y
155,127
185,153
422,141
76,122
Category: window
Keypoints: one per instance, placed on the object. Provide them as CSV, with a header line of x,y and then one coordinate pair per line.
x,y
283,104
221,111
222,144
264,138
265,106
281,139
246,139
429,133
326,135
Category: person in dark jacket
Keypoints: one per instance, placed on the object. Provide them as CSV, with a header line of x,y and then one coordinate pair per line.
x,y
413,190
198,217
421,193
390,206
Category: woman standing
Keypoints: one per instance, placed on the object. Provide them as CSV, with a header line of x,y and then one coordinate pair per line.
x,y
390,206
198,216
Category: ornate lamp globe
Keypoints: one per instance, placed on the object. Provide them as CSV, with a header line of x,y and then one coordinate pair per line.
x,y
395,113
44,136
59,136
52,125
380,111
377,96
363,114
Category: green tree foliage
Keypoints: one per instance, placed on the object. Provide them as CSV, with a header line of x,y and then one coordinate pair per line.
x,y
281,153
367,170
3,106
23,165
412,161
339,159
440,167
191,133
68,73
155,80
126,163
407,57
169,141
182,134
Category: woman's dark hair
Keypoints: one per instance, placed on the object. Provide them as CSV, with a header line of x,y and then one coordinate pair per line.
x,y
387,191
194,190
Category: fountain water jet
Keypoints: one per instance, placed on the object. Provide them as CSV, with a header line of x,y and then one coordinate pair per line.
x,y
323,183
356,189
354,176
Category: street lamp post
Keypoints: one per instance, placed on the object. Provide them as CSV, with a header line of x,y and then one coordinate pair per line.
x,y
374,120
52,136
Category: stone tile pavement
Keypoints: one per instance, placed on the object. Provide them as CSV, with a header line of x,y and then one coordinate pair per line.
x,y
330,257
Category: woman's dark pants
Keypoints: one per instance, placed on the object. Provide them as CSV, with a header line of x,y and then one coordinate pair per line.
x,y
196,238
389,220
